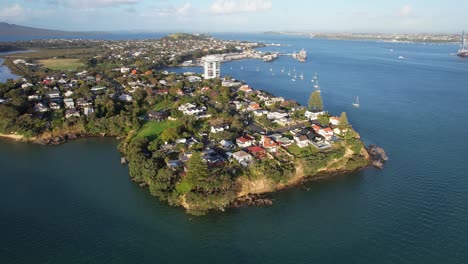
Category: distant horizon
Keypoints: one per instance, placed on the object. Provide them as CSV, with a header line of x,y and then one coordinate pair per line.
x,y
136,31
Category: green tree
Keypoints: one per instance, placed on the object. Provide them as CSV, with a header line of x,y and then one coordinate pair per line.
x,y
343,124
315,101
8,117
324,119
197,168
169,134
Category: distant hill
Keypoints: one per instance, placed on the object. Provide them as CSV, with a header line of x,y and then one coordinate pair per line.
x,y
12,30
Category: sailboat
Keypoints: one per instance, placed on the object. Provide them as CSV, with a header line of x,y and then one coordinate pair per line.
x,y
463,51
356,103
289,73
282,70
315,76
271,68
258,69
301,76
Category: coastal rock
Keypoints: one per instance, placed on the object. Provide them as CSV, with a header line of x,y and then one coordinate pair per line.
x,y
251,200
378,156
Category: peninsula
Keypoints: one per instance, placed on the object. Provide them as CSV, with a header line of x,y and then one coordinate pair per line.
x,y
204,144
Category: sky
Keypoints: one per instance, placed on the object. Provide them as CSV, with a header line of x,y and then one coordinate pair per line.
x,y
392,16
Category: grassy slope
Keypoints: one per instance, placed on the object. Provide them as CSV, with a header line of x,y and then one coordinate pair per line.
x,y
154,128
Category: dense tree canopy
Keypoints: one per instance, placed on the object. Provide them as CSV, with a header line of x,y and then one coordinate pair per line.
x,y
315,101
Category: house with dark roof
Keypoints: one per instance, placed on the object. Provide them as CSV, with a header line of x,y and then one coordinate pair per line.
x,y
157,115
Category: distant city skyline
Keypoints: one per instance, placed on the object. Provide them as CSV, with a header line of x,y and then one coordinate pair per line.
x,y
370,16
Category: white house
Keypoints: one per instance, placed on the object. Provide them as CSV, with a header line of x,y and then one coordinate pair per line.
x,y
54,106
87,110
313,115
260,112
71,112
301,140
242,157
277,115
125,98
191,109
40,108
69,103
244,141
219,128
327,132
334,120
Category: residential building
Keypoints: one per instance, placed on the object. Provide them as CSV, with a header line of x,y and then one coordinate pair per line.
x,y
244,141
257,151
157,115
243,157
212,67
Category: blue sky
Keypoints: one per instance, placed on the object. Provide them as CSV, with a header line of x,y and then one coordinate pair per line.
x,y
239,15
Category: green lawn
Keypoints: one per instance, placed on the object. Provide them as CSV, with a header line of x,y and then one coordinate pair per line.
x,y
61,64
163,105
302,152
152,129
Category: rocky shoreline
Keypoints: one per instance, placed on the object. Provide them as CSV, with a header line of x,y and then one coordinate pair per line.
x,y
378,156
52,141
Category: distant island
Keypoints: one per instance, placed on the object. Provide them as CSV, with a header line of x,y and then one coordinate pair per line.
x,y
193,141
13,30
386,37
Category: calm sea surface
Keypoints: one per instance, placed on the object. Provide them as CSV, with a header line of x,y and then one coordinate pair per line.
x,y
75,203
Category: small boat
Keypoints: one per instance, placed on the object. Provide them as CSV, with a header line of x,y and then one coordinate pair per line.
x,y
391,50
271,68
315,76
282,70
356,103
242,68
401,57
231,68
293,79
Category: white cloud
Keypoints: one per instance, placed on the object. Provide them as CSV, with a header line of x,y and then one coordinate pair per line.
x,y
182,10
406,11
14,12
88,4
240,6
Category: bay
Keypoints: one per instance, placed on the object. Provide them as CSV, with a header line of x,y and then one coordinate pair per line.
x,y
75,203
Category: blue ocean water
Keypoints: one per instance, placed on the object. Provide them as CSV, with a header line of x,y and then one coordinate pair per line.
x,y
74,203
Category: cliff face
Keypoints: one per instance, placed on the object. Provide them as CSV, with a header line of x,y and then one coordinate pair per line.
x,y
265,185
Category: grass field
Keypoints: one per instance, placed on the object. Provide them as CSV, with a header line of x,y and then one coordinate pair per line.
x,y
61,64
302,152
41,53
152,129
